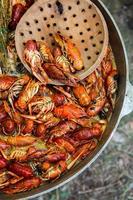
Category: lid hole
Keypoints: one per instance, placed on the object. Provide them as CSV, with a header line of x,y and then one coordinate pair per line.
x,y
41,9
30,32
49,5
88,29
74,15
100,32
22,34
27,23
36,21
83,10
97,24
91,37
85,20
67,28
48,25
82,41
89,57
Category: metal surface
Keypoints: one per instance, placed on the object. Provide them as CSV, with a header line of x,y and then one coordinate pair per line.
x,y
128,103
124,89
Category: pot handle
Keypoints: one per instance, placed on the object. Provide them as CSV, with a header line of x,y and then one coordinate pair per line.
x,y
128,102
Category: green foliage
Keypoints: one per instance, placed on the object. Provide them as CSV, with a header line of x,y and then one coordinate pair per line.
x,y
5,10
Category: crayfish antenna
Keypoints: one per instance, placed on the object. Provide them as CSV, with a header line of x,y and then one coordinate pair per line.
x,y
86,148
4,155
29,116
60,89
75,160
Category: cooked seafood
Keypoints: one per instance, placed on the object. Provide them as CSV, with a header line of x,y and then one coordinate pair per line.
x,y
18,9
60,65
45,52
23,185
46,130
70,50
70,111
63,128
61,60
6,82
34,60
26,95
82,95
54,72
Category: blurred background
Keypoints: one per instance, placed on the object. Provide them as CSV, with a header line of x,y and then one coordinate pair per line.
x,y
111,176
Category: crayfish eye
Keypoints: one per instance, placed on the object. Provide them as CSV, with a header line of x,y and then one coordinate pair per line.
x,y
116,77
103,114
38,170
94,101
92,108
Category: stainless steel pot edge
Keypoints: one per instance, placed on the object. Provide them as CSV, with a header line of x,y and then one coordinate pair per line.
x,y
126,110
128,102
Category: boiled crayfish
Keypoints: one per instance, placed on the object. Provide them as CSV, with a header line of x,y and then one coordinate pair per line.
x,y
26,95
33,58
70,50
70,111
45,130
19,7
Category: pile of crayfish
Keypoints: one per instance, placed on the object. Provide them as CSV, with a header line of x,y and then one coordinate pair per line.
x,y
45,130
60,64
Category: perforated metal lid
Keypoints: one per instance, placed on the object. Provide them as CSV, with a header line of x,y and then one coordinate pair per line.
x,y
81,21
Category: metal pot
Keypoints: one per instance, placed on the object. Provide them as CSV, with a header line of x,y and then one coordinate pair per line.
x,y
123,107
